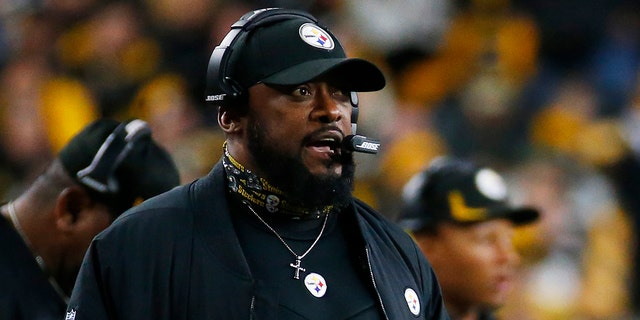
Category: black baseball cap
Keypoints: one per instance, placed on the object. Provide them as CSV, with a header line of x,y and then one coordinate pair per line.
x,y
297,50
119,162
458,191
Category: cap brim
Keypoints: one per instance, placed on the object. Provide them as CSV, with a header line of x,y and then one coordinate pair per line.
x,y
351,74
518,216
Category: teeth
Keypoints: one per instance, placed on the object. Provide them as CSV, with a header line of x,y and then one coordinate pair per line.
x,y
330,141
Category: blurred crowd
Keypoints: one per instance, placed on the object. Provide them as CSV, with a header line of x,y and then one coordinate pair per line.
x,y
546,91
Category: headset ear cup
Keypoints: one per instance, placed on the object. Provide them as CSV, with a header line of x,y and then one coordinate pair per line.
x,y
221,88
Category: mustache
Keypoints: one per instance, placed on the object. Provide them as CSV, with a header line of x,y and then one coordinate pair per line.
x,y
326,130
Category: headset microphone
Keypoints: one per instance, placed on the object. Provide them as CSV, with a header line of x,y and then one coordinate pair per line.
x,y
356,142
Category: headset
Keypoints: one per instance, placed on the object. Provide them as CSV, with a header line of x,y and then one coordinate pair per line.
x,y
223,90
356,142
100,174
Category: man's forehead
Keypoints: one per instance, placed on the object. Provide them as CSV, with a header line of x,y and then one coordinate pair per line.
x,y
476,228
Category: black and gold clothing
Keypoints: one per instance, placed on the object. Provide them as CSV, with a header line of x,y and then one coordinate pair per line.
x,y
185,255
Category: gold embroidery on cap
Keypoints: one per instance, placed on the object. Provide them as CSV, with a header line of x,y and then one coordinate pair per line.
x,y
461,212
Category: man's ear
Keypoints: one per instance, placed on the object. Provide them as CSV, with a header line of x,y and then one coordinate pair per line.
x,y
69,206
229,120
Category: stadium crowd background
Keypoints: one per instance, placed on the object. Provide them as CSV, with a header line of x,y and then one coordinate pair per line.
x,y
545,91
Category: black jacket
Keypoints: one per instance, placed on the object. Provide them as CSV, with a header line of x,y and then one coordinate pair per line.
x,y
177,256
25,291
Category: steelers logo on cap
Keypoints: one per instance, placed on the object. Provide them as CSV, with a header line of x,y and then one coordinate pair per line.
x,y
491,184
315,36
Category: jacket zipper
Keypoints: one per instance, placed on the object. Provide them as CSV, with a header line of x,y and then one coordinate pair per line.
x,y
373,280
252,311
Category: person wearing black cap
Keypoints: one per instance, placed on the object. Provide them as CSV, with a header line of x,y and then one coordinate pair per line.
x,y
103,170
460,216
273,231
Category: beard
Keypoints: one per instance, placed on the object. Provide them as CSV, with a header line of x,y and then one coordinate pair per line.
x,y
289,174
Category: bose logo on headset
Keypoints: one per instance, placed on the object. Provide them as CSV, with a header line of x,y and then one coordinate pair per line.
x,y
215,97
223,90
99,175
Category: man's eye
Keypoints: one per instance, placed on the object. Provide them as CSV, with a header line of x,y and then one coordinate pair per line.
x,y
301,91
341,93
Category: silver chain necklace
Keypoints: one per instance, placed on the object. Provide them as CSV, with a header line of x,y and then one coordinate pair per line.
x,y
296,265
11,207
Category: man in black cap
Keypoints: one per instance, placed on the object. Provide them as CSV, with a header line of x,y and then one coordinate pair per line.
x,y
273,232
105,169
460,217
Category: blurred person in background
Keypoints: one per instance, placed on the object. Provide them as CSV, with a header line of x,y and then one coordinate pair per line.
x,y
459,215
105,169
613,147
25,148
577,258
178,125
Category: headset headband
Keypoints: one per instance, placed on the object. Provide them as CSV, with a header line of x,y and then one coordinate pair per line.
x,y
221,88
99,175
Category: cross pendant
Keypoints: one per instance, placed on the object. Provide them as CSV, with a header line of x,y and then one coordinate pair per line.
x,y
298,268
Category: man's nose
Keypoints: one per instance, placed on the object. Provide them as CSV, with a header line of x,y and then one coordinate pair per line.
x,y
327,109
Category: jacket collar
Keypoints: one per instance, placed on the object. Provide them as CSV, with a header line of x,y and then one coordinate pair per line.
x,y
212,217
